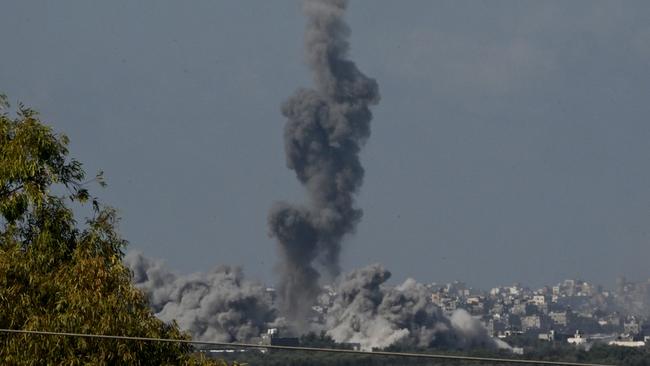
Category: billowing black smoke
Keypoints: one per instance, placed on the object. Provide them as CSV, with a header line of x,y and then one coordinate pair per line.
x,y
219,305
325,129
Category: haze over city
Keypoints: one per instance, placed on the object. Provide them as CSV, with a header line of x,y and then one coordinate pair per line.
x,y
510,143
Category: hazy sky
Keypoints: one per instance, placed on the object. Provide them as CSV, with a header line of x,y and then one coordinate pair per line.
x,y
511,142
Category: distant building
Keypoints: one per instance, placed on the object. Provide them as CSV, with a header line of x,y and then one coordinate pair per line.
x,y
556,290
509,333
531,322
497,309
631,326
518,309
514,290
549,337
613,319
538,300
578,339
555,298
559,317
586,289
272,338
627,343
553,336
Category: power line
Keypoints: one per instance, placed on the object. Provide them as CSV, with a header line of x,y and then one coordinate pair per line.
x,y
308,349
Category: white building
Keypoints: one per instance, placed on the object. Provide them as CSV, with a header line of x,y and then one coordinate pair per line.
x,y
538,300
627,343
577,339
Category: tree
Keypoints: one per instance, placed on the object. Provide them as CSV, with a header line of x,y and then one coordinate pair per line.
x,y
57,275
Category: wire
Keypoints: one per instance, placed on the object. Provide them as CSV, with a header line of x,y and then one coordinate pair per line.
x,y
309,349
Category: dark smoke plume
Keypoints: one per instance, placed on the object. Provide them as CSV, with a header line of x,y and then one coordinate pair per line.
x,y
219,305
326,127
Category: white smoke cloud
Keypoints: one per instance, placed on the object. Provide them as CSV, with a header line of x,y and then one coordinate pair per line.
x,y
219,305
369,312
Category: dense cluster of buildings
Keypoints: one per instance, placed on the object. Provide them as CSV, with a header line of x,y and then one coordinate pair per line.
x,y
573,311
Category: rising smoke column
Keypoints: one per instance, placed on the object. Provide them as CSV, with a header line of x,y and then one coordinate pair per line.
x,y
325,129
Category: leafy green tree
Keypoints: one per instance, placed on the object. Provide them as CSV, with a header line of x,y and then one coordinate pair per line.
x,y
58,275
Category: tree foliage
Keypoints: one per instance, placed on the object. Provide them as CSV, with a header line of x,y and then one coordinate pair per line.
x,y
58,275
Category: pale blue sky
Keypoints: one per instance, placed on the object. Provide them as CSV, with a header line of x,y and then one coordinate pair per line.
x,y
511,142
